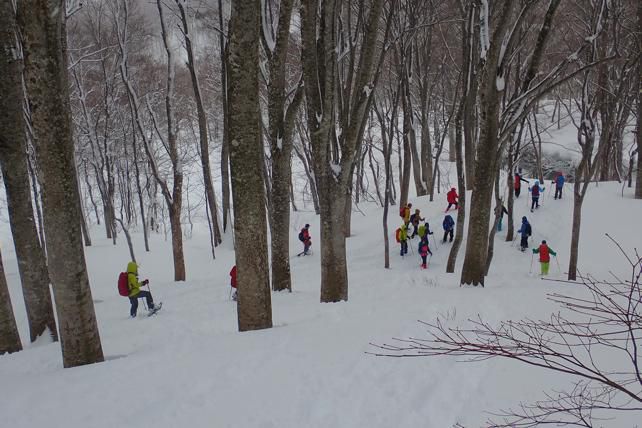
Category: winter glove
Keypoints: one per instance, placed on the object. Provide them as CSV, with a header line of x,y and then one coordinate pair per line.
x,y
145,282
534,251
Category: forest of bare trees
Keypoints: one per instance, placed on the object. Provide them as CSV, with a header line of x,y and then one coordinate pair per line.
x,y
150,116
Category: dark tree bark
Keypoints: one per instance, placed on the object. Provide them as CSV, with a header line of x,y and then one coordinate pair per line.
x,y
42,27
638,137
246,156
9,336
281,117
32,264
334,155
225,146
202,126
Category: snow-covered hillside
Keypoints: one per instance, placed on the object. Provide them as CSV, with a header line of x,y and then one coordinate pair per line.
x,y
190,367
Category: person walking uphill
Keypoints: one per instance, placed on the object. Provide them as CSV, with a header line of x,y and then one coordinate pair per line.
x,y
449,226
136,293
518,183
559,185
424,250
404,213
304,236
535,191
414,220
401,235
452,197
544,252
525,231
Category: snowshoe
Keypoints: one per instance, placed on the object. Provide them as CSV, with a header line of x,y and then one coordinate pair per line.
x,y
157,307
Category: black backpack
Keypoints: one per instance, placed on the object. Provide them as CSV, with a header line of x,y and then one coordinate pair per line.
x,y
529,231
301,237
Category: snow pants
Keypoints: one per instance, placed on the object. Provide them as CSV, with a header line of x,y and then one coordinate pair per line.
x,y
517,191
423,261
545,266
535,203
134,301
558,192
450,204
404,248
306,246
446,233
524,242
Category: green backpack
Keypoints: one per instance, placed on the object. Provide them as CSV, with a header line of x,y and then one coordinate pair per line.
x,y
421,231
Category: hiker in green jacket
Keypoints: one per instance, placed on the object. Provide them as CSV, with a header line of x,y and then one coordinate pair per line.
x,y
135,292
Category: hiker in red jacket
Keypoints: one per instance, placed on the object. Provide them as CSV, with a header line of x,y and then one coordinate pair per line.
x,y
545,253
452,197
233,282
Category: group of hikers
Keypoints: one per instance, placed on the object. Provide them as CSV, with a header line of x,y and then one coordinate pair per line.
x,y
537,188
412,227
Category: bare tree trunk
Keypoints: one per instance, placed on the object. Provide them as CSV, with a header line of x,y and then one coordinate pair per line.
x,y
32,264
36,202
202,126
493,230
461,186
281,125
225,146
42,26
9,336
128,238
638,137
246,155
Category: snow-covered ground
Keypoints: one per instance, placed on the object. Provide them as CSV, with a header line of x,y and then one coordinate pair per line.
x,y
190,367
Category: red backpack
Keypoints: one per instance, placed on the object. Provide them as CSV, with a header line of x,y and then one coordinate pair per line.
x,y
123,284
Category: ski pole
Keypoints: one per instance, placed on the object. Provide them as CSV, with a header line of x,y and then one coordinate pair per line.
x,y
434,241
532,258
559,270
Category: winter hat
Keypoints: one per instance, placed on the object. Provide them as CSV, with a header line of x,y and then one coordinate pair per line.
x,y
452,188
307,226
524,219
544,241
537,182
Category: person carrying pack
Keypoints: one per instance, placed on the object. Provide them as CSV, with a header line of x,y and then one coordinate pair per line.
x,y
500,210
544,252
404,213
424,250
452,197
518,182
525,231
535,191
304,236
233,283
135,293
414,220
449,226
559,185
401,235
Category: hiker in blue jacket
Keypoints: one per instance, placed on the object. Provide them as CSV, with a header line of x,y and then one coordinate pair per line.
x,y
559,185
449,226
525,231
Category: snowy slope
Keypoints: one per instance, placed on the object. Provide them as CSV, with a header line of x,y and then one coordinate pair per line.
x,y
189,366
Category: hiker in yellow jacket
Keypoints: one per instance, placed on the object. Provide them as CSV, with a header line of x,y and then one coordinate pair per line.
x,y
135,292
